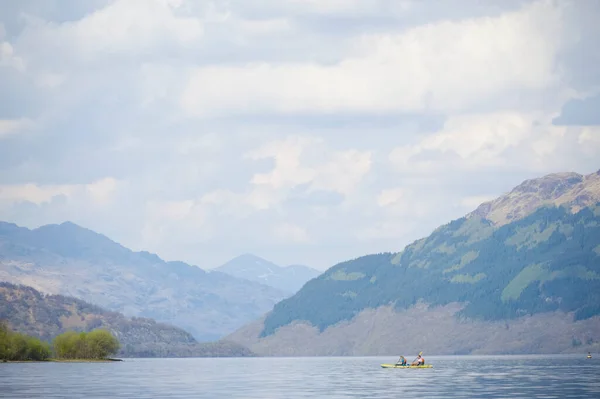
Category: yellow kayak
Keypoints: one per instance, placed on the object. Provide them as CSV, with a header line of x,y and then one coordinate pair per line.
x,y
394,366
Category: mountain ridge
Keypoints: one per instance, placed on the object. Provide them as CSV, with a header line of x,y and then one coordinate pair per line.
x,y
542,265
571,189
71,260
251,267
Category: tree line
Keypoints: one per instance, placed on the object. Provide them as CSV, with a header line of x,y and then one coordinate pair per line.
x,y
96,344
16,346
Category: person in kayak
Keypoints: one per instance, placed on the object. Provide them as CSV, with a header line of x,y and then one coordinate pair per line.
x,y
419,362
402,361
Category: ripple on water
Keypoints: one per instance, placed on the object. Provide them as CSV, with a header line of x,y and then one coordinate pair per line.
x,y
336,377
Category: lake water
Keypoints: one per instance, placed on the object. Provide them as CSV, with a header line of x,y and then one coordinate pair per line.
x,y
320,377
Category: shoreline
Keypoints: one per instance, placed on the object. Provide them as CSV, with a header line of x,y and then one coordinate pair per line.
x,y
107,360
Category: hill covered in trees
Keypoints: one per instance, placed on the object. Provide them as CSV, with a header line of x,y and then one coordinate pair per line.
x,y
487,274
30,312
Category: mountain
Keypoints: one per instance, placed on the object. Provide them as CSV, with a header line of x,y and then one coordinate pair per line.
x,y
521,274
45,316
250,267
70,260
572,190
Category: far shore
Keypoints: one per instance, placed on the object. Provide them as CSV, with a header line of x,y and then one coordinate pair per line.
x,y
64,361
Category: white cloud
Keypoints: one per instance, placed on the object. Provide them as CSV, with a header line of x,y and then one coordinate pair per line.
x,y
9,58
103,190
264,27
589,140
305,160
446,66
200,130
34,193
391,196
288,171
100,192
590,135
125,26
335,8
289,232
50,80
343,172
477,141
170,210
14,126
480,139
171,224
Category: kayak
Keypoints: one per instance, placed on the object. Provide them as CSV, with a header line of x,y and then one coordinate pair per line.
x,y
394,366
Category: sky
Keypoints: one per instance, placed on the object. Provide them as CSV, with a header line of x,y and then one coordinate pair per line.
x,y
303,131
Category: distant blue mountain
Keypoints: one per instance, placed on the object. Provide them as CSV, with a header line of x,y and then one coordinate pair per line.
x,y
251,267
70,260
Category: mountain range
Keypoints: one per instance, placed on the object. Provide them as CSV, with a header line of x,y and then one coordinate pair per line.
x,y
288,279
70,260
45,316
519,274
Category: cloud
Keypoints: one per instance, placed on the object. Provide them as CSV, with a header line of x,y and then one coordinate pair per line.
x,y
422,69
8,58
123,28
344,172
287,171
472,142
102,191
589,140
290,232
303,131
306,161
34,193
99,192
12,126
580,112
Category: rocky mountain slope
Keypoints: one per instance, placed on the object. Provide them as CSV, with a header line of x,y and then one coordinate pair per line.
x,y
70,260
251,267
475,285
572,190
45,316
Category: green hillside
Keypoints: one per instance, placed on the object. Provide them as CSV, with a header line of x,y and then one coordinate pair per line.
x,y
548,260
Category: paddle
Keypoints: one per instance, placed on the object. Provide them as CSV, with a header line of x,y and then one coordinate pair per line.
x,y
420,353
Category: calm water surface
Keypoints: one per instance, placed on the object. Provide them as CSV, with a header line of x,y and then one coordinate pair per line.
x,y
333,377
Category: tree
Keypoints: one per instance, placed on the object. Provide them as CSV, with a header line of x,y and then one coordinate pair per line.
x,y
102,344
66,344
16,346
97,344
3,340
